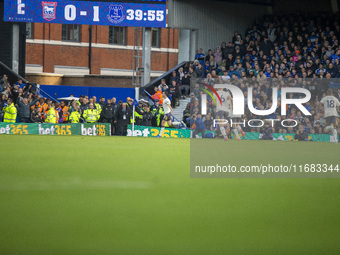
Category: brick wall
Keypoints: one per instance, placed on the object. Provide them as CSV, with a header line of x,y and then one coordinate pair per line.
x,y
50,55
86,80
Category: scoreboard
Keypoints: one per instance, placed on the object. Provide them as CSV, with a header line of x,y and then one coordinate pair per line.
x,y
148,13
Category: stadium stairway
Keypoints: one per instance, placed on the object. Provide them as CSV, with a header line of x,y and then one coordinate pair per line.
x,y
178,110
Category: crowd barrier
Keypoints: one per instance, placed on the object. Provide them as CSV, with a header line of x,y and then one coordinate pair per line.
x,y
290,137
104,129
142,131
95,129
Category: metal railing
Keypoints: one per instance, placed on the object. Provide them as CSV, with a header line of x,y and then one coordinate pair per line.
x,y
13,77
150,87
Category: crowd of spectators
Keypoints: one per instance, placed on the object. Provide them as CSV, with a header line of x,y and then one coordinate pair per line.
x,y
178,86
22,103
276,51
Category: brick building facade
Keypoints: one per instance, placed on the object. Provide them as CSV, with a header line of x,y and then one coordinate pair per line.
x,y
55,49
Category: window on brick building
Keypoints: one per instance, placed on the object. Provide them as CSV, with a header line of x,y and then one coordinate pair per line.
x,y
70,32
117,35
156,34
29,30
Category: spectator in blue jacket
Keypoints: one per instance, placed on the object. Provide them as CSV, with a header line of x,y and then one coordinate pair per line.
x,y
200,56
233,71
207,68
200,127
20,83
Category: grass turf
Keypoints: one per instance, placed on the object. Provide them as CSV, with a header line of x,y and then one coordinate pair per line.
x,y
120,195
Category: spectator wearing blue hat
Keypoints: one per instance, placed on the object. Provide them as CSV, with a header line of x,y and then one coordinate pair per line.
x,y
233,71
200,56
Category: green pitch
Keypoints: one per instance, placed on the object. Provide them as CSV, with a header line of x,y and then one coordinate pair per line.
x,y
120,195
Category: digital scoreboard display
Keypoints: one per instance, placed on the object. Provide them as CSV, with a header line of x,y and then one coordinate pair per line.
x,y
123,13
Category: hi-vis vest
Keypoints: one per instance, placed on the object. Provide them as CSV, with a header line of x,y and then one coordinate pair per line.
x,y
91,116
160,112
153,112
74,117
10,113
44,108
33,106
98,108
65,113
51,116
137,115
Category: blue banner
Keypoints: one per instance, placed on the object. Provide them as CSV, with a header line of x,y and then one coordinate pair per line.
x,y
87,13
58,91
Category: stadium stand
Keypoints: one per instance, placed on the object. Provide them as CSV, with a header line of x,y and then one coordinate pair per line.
x,y
276,51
